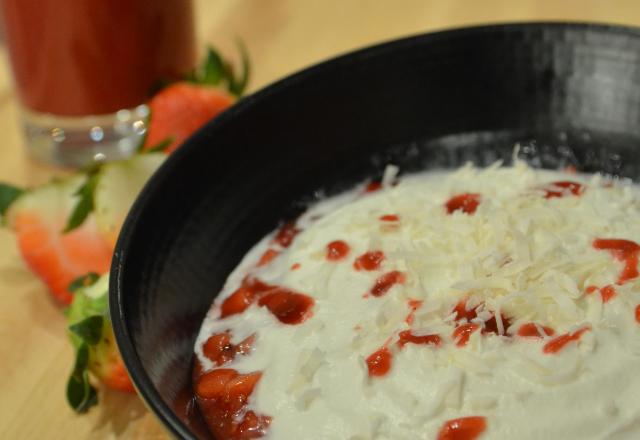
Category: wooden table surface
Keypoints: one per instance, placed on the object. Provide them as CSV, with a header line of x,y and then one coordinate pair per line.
x,y
282,36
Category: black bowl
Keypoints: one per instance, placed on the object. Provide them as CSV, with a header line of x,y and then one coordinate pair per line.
x,y
569,93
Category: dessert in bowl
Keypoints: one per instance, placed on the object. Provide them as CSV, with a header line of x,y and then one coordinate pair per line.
x,y
442,305
564,91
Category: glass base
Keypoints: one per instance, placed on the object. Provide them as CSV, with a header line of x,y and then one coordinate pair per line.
x,y
80,141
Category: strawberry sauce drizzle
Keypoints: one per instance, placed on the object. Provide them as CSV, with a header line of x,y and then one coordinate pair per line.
x,y
606,293
337,250
406,337
637,313
286,234
268,257
558,343
490,325
373,187
466,202
414,304
288,306
464,428
562,189
389,218
220,350
379,362
223,395
369,261
462,333
625,251
531,330
385,282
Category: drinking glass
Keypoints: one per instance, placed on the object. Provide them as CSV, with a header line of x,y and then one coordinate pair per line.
x,y
83,70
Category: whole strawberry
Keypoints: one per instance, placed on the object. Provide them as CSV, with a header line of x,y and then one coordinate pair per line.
x,y
92,337
68,227
181,108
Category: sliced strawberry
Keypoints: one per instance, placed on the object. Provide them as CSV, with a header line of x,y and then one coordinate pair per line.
x,y
91,334
118,186
180,109
38,219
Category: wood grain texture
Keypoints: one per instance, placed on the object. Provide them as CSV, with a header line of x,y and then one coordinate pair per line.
x,y
282,36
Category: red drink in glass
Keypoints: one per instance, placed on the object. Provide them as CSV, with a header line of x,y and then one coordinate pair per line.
x,y
83,68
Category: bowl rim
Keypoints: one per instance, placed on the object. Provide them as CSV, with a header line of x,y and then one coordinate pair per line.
x,y
141,381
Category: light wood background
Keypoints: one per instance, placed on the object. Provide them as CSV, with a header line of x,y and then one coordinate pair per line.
x,y
282,36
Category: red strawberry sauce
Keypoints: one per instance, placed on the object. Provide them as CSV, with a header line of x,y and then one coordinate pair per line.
x,y
562,189
379,363
465,428
560,342
389,218
625,251
223,395
286,234
530,330
288,306
369,261
467,203
385,282
337,250
407,337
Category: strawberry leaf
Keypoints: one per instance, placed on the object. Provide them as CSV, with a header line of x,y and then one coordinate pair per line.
x,y
161,146
215,70
89,330
212,69
238,85
84,204
83,281
8,194
81,395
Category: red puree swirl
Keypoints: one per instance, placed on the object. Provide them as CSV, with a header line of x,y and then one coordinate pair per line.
x,y
625,251
463,330
268,257
223,393
406,337
373,187
414,304
530,330
467,203
385,282
465,428
389,218
288,306
286,234
379,363
606,293
369,261
462,333
563,188
337,250
220,350
558,343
